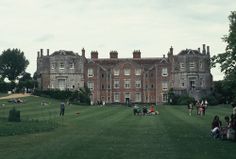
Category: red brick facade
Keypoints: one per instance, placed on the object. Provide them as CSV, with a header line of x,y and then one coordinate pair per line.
x,y
134,79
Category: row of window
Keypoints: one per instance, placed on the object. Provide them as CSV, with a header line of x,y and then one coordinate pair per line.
x,y
116,72
192,65
138,97
62,66
127,85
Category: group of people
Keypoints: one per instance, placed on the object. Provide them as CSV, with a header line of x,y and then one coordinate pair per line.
x,y
200,106
226,130
18,100
144,111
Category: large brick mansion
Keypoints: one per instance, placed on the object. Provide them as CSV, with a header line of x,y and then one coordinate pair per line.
x,y
121,80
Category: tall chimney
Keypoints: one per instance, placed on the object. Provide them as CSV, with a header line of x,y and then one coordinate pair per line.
x,y
204,48
94,55
38,54
83,52
137,54
208,50
41,51
171,50
113,54
47,52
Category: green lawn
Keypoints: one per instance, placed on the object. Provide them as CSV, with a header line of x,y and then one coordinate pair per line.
x,y
112,132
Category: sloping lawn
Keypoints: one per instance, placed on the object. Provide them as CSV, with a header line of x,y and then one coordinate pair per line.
x,y
112,132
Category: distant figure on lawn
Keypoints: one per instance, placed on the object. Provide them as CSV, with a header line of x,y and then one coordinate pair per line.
x,y
62,109
136,110
190,108
145,110
216,127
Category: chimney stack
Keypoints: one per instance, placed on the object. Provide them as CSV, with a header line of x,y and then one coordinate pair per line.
x,y
204,48
41,51
113,54
83,52
171,50
208,50
137,54
94,55
47,52
38,54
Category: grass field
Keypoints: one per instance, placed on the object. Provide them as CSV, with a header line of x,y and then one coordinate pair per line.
x,y
111,132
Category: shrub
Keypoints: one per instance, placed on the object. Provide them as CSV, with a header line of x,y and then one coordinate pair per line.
x,y
185,99
212,99
14,115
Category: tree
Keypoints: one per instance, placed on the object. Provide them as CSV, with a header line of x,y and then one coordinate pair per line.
x,y
227,60
12,64
84,95
27,82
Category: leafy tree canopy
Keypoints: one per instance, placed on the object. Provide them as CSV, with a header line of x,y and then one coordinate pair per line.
x,y
12,64
227,60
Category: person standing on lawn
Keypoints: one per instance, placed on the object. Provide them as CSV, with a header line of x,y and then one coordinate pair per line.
x,y
62,109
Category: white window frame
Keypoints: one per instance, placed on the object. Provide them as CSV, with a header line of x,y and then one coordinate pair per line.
x,y
116,72
90,72
164,71
138,97
126,71
200,65
116,97
127,83
62,66
90,85
116,84
191,65
61,87
138,71
182,66
138,84
53,66
72,65
164,85
164,97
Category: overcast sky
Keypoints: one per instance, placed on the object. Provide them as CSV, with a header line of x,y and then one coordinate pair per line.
x,y
151,26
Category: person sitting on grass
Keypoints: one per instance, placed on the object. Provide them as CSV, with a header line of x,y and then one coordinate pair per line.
x,y
231,133
225,129
144,110
216,127
135,109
